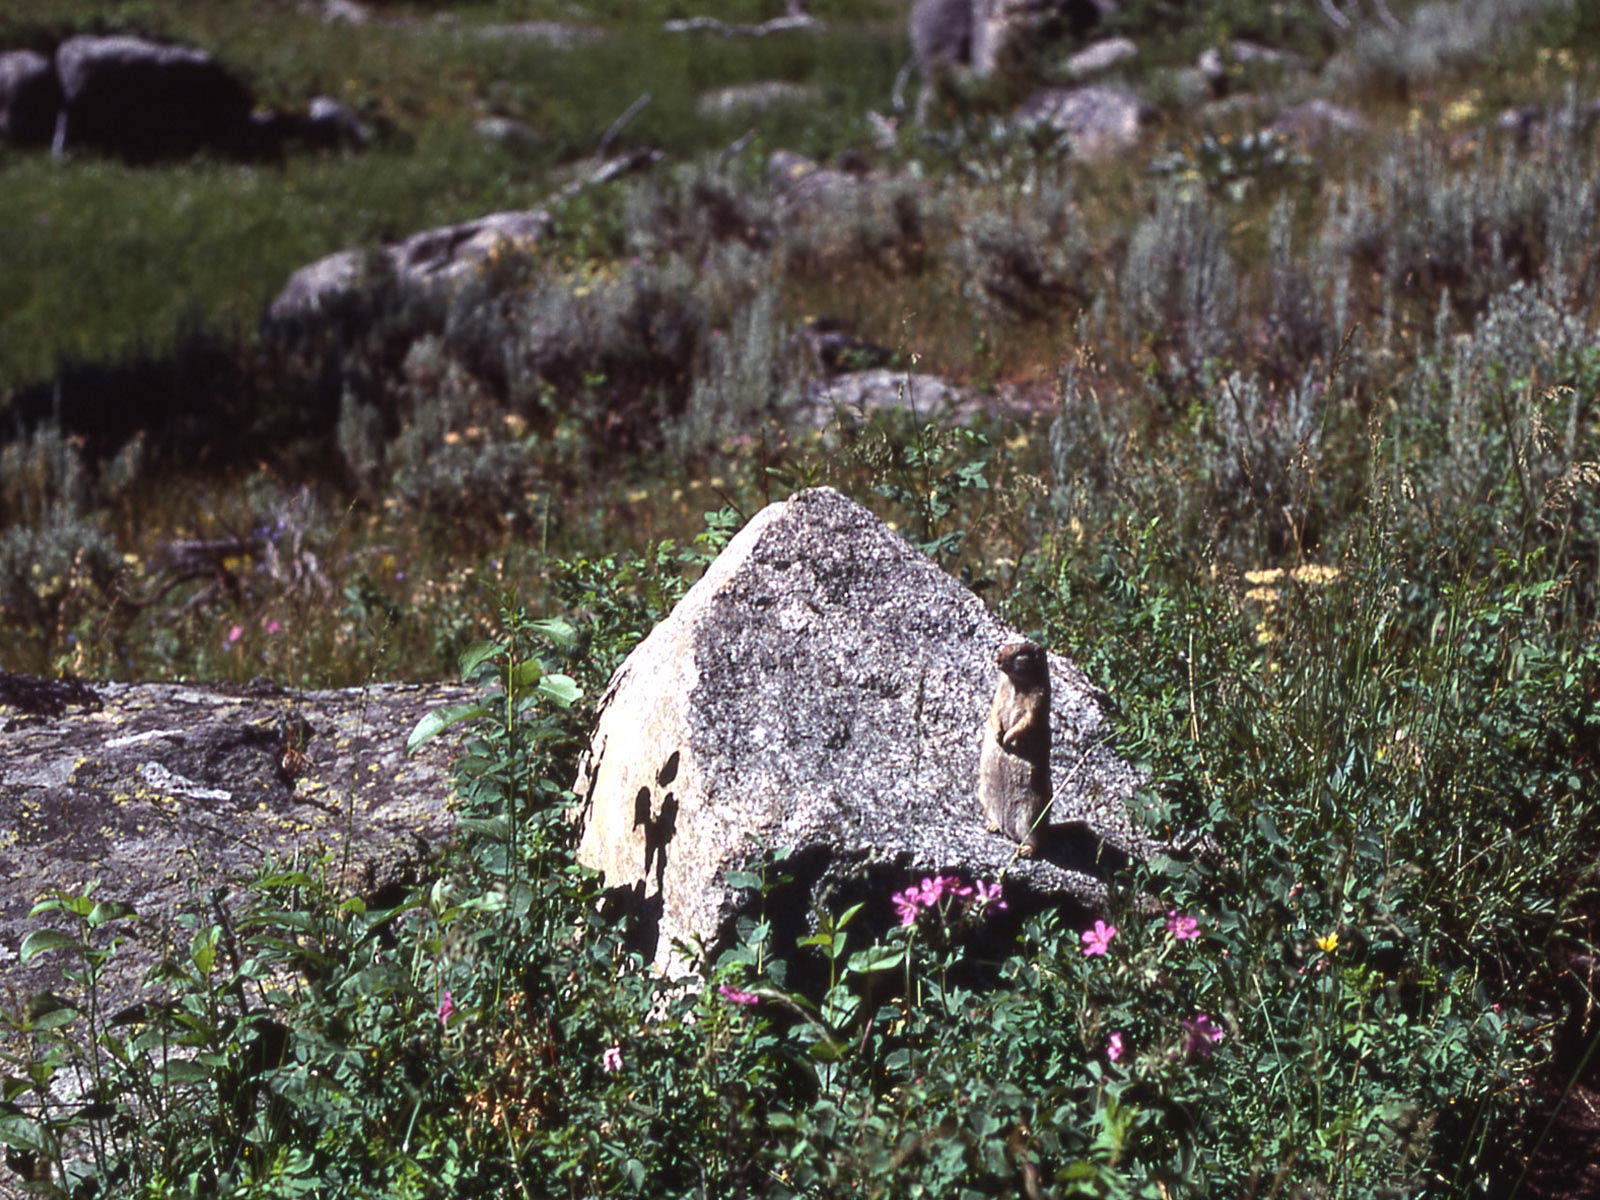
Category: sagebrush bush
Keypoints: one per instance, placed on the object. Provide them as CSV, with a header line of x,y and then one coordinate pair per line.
x,y
1424,224
455,452
57,560
1028,260
1179,282
1436,37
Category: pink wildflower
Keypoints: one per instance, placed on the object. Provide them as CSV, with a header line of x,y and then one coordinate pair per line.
x,y
734,996
1098,940
1114,1047
989,895
273,626
235,634
611,1060
906,905
1201,1035
928,894
1181,927
447,1008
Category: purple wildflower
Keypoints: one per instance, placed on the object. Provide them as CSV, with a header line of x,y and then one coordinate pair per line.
x,y
1180,927
1201,1035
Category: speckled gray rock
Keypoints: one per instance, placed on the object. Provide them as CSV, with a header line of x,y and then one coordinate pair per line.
x,y
825,688
855,395
150,790
1100,122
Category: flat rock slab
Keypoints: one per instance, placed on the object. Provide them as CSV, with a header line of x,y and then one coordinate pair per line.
x,y
160,794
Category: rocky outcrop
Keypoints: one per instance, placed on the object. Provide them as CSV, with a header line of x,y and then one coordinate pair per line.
x,y
1099,122
941,34
854,396
1318,121
30,98
1223,66
996,37
747,99
164,795
824,688
434,257
143,101
1099,57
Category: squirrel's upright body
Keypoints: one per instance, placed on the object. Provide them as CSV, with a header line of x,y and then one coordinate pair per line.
x,y
1014,768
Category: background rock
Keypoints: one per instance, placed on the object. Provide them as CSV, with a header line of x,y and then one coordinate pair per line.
x,y
748,98
824,688
436,256
856,395
508,133
1100,121
143,101
1099,57
941,34
30,98
1315,121
152,790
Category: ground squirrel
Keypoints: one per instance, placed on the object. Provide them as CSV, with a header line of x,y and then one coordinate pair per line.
x,y
1014,768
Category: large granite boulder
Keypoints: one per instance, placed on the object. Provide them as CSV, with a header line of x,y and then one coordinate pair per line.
x,y
163,794
824,689
435,257
143,101
30,98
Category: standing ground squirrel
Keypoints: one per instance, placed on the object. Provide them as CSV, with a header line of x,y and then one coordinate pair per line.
x,y
1014,768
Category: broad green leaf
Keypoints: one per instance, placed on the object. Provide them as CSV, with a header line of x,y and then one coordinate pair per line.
x,y
563,689
877,958
203,950
475,656
524,675
106,911
40,940
558,631
22,1132
440,719
183,1071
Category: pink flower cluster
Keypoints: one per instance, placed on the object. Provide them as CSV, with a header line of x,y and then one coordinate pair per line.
x,y
1181,927
611,1060
927,894
447,1009
734,996
1201,1035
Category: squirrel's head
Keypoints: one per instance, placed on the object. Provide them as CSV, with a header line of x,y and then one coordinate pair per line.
x,y
1023,661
